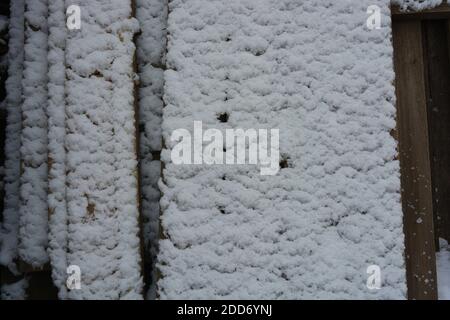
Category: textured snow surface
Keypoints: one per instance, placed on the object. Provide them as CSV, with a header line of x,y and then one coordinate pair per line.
x,y
443,270
101,185
33,216
14,291
10,225
313,70
416,4
56,113
151,48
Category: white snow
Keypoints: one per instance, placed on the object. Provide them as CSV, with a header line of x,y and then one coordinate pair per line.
x,y
33,209
151,47
443,270
10,225
415,5
14,291
101,182
308,68
313,70
56,113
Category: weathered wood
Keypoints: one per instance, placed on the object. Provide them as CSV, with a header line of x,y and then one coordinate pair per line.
x,y
440,12
414,160
438,106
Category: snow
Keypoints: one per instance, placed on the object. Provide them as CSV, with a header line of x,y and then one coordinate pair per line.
x,y
443,270
101,182
313,70
33,209
308,68
151,47
415,5
56,113
10,224
14,291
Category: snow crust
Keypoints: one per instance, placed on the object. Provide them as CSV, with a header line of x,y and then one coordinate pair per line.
x,y
443,270
102,197
10,225
313,70
56,113
14,291
415,5
33,209
151,49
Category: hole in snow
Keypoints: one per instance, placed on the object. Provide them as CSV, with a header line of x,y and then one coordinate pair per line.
x,y
284,162
223,117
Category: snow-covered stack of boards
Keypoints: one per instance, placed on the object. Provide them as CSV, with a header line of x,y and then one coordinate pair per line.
x,y
71,169
316,72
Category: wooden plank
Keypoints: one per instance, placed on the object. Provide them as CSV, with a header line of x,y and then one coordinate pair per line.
x,y
414,160
438,105
440,12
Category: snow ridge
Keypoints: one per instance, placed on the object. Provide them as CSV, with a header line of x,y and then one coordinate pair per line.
x,y
102,198
151,49
56,145
33,227
10,226
415,5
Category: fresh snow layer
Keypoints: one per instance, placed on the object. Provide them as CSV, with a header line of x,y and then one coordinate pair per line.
x,y
416,5
101,182
151,48
33,210
313,70
443,270
14,291
10,225
56,113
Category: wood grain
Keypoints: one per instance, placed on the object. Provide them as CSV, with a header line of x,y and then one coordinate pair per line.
x,y
414,160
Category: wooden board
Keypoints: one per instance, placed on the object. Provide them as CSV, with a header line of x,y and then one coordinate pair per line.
x,y
414,160
438,106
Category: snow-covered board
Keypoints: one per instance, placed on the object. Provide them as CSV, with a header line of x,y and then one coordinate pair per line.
x,y
33,210
101,182
56,112
315,71
10,224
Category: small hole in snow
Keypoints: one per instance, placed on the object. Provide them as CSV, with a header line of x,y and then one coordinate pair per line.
x,y
259,53
284,162
223,117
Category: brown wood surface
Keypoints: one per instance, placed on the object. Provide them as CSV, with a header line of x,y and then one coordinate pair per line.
x,y
414,160
438,106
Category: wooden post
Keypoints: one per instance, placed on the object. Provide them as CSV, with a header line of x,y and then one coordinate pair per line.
x,y
414,160
438,105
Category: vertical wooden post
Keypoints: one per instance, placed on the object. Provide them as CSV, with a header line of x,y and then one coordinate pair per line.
x,y
438,106
414,160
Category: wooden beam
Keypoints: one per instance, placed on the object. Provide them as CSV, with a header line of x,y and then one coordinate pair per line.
x,y
414,160
440,12
438,105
